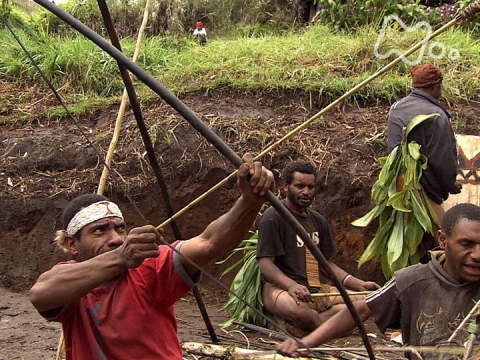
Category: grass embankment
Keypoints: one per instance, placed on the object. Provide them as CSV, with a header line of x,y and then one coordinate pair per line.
x,y
316,59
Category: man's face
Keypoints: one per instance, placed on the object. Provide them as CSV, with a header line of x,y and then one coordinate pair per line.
x,y
462,251
437,90
100,237
301,191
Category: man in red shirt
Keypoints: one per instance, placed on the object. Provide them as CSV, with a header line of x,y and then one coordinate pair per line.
x,y
116,299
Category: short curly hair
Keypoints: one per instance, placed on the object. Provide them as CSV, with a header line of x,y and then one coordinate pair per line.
x,y
458,212
300,166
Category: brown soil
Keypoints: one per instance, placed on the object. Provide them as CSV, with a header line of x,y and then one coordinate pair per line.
x,y
44,162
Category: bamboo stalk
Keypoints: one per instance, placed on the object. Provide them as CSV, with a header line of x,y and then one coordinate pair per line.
x,y
230,352
123,105
469,346
458,350
464,321
239,353
60,347
338,294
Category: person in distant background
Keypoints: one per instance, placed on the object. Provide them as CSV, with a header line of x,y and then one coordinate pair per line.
x,y
200,34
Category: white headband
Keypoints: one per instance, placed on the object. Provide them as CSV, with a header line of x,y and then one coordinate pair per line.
x,y
91,213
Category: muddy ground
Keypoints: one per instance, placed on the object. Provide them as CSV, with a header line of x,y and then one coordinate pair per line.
x,y
46,161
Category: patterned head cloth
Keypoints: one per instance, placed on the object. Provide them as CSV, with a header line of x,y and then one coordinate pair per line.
x,y
93,212
424,76
199,24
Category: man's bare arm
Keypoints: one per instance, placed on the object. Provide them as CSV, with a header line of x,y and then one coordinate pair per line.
x,y
272,273
339,325
349,281
66,283
224,234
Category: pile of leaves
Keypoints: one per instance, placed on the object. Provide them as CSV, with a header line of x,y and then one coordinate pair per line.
x,y
404,215
247,284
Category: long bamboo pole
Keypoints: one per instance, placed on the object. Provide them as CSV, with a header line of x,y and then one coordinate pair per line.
x,y
123,104
407,349
60,347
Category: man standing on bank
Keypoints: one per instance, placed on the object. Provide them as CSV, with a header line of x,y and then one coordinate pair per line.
x,y
435,136
116,299
282,255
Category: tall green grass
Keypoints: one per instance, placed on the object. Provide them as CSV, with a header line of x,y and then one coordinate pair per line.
x,y
318,59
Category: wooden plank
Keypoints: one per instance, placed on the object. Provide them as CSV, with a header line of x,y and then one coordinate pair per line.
x,y
312,270
468,172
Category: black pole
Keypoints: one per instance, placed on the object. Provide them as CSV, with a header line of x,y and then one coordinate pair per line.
x,y
139,118
151,153
198,124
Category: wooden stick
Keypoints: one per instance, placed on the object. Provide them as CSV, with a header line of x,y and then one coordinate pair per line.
x,y
338,294
458,350
240,353
469,346
123,105
61,347
230,352
462,324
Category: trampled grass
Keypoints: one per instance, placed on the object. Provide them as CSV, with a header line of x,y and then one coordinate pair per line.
x,y
317,59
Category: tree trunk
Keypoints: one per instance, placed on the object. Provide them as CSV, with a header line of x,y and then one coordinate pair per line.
x,y
304,10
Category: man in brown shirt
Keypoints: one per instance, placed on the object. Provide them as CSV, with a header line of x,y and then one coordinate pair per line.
x,y
426,301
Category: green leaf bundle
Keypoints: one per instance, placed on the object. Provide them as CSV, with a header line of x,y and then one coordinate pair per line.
x,y
247,284
404,215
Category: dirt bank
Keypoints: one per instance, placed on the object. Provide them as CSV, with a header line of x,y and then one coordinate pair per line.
x,y
46,162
